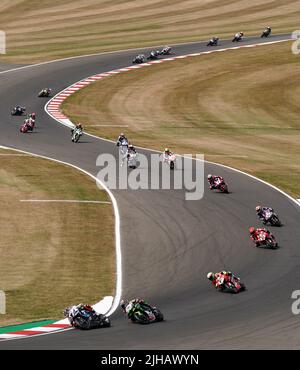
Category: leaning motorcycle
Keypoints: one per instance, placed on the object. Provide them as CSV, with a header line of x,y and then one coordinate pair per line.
x,y
266,240
24,128
213,42
132,160
233,285
145,314
86,320
271,218
18,111
45,93
266,33
76,134
222,186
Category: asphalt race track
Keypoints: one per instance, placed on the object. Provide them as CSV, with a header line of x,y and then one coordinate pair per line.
x,y
169,244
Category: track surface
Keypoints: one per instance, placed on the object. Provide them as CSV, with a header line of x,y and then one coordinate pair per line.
x,y
169,244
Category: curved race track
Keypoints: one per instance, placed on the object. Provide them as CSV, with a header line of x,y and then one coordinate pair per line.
x,y
169,244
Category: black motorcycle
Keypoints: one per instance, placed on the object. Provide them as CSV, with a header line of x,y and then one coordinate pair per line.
x,y
153,55
139,59
18,111
238,37
266,33
45,93
86,319
271,217
213,42
165,51
144,314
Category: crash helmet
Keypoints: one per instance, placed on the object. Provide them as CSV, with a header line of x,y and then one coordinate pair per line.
x,y
32,115
258,209
130,146
242,33
210,276
167,150
252,230
209,176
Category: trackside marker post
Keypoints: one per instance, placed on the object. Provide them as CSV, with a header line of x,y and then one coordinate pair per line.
x,y
2,303
2,42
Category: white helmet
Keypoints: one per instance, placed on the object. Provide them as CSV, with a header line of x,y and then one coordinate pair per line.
x,y
210,276
209,176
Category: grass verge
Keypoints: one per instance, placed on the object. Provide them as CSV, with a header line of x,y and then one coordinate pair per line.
x,y
52,254
239,108
43,30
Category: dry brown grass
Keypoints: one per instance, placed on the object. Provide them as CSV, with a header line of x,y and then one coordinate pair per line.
x,y
52,254
240,108
44,30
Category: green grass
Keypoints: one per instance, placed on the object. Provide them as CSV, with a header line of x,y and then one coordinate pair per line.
x,y
52,254
239,108
44,30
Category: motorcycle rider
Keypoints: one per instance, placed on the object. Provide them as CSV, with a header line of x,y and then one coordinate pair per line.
x,y
212,180
261,210
166,154
77,127
131,150
219,278
238,35
75,311
213,41
254,234
127,306
121,139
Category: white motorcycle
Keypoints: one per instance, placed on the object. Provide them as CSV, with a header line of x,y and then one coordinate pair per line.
x,y
77,133
123,146
132,160
171,160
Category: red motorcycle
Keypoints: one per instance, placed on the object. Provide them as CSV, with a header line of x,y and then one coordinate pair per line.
x,y
266,240
24,128
231,284
221,185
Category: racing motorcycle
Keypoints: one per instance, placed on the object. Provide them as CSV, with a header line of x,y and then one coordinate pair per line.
x,y
144,315
171,160
123,146
18,111
266,240
266,33
221,185
76,134
271,218
213,42
24,128
30,124
165,51
139,59
231,285
45,93
86,319
153,55
238,37
132,160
